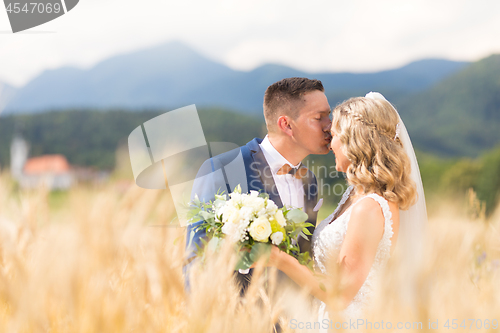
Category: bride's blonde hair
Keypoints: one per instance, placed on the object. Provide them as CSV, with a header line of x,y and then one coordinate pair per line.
x,y
367,130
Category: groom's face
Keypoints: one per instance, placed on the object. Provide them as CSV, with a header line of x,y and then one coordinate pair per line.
x,y
311,129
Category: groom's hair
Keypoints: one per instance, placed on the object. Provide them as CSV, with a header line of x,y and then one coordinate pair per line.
x,y
284,98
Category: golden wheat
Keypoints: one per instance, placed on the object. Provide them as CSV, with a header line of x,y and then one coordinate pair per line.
x,y
108,260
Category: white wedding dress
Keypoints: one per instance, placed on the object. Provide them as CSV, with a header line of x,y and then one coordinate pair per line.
x,y
327,241
328,237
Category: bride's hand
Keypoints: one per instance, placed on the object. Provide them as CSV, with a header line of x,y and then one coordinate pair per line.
x,y
275,258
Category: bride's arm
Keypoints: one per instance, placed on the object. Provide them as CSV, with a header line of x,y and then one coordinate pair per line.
x,y
365,229
356,257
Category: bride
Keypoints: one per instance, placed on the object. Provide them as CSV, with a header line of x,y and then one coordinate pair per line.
x,y
385,202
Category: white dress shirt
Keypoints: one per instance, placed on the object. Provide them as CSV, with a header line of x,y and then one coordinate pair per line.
x,y
290,189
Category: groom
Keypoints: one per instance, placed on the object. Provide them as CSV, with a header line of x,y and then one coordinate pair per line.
x,y
297,116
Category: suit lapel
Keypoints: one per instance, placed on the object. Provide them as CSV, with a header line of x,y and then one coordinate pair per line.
x,y
310,187
266,177
310,193
259,173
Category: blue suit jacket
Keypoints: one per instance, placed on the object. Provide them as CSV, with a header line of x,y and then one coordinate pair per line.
x,y
248,167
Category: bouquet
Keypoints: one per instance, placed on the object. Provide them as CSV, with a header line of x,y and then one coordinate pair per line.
x,y
252,222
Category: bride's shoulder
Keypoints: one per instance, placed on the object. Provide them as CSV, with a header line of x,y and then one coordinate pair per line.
x,y
367,221
368,207
373,205
375,208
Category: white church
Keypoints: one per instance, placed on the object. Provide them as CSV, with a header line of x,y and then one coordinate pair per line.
x,y
52,171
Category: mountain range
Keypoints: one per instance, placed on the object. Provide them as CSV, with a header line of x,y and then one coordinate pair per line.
x,y
173,75
450,108
460,115
6,94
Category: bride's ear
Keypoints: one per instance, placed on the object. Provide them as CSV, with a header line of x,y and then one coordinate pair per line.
x,y
284,125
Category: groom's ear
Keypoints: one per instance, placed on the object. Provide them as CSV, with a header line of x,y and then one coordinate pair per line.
x,y
284,125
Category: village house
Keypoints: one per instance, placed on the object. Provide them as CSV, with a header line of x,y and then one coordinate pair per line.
x,y
52,171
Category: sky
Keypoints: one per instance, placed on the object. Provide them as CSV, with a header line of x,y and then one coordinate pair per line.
x,y
333,36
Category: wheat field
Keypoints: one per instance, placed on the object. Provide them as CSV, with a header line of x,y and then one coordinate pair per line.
x,y
107,259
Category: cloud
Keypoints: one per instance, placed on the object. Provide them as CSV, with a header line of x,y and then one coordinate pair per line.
x,y
357,35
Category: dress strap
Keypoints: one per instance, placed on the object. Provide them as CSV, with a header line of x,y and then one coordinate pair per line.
x,y
341,203
345,196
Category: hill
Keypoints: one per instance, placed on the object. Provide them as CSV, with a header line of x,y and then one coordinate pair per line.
x,y
6,94
91,137
173,75
459,116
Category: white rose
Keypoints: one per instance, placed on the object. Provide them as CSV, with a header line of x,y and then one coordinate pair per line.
x,y
231,215
277,238
253,202
280,218
271,207
246,212
231,230
254,194
235,231
220,207
262,212
260,229
235,198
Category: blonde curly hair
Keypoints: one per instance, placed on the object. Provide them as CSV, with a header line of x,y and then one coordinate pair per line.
x,y
379,164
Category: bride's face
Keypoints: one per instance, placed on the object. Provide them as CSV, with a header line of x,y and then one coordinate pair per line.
x,y
341,161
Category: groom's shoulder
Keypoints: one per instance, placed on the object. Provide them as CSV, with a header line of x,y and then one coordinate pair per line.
x,y
229,156
225,158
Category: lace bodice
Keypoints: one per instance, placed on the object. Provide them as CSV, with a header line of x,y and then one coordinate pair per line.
x,y
327,241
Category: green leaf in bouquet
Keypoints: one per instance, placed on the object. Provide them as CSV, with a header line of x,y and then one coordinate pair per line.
x,y
293,248
206,215
296,215
237,189
200,250
304,226
191,236
260,249
247,259
301,234
220,197
244,262
196,201
301,229
264,195
306,260
202,226
207,206
214,244
284,245
217,205
192,214
295,233
306,232
289,228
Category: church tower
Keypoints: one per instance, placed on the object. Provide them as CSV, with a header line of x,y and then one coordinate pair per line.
x,y
19,151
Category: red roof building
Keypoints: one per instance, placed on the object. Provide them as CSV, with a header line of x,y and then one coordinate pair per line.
x,y
53,164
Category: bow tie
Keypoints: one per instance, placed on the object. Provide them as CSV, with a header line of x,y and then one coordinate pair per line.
x,y
297,173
